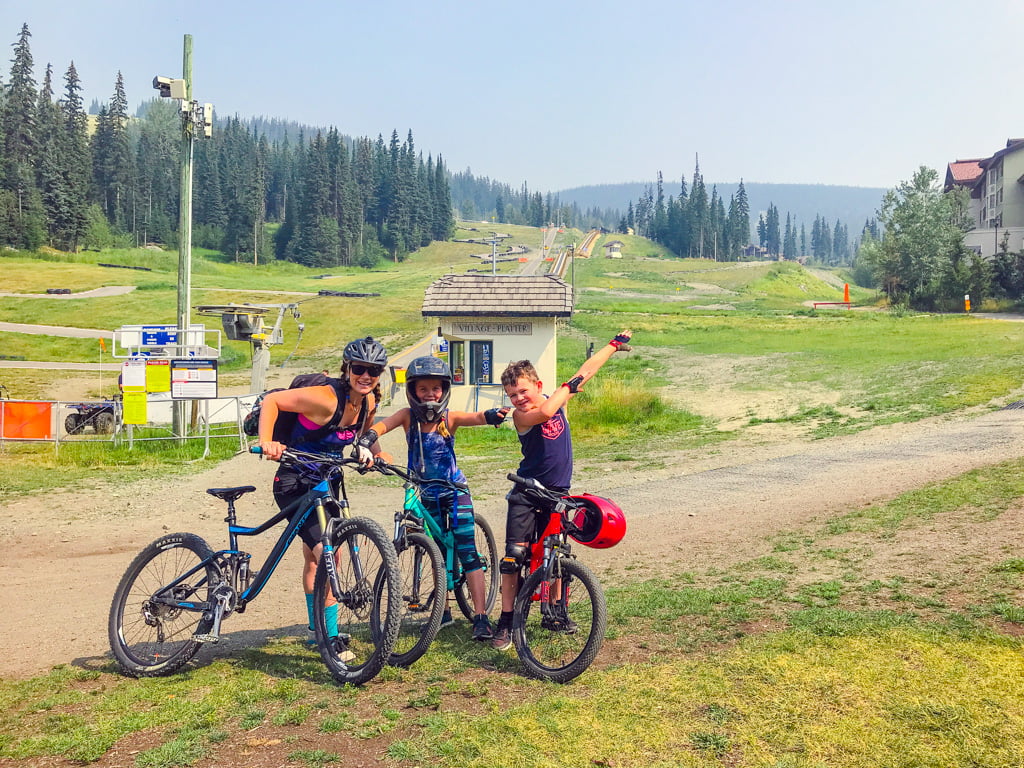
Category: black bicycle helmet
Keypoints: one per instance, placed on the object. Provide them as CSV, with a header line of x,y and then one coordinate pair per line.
x,y
428,368
368,350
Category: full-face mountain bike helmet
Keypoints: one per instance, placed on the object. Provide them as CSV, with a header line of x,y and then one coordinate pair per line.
x,y
428,368
368,350
601,522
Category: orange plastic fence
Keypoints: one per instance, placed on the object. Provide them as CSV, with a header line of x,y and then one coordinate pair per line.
x,y
27,420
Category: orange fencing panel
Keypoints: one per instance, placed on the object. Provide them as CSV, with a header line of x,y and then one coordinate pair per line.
x,y
28,421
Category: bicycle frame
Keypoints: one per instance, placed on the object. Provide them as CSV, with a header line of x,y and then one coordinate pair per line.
x,y
412,508
312,501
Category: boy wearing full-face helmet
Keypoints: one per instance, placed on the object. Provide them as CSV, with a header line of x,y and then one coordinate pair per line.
x,y
430,432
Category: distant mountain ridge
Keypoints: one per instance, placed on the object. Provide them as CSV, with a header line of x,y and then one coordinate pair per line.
x,y
851,205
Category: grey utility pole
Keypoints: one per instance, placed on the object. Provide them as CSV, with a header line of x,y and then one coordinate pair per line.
x,y
180,419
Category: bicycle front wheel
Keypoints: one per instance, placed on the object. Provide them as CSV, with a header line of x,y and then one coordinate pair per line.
x,y
422,597
147,636
367,617
559,621
488,551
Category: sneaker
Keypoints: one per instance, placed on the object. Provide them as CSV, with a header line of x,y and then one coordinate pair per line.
x,y
559,623
482,629
340,646
446,619
502,639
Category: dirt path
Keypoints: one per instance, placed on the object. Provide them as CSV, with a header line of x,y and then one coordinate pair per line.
x,y
703,509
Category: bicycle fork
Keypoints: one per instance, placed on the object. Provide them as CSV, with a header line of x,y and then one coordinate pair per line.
x,y
327,555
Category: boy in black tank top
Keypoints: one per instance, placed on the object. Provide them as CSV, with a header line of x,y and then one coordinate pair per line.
x,y
546,442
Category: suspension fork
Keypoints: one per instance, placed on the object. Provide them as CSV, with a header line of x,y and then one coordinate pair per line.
x,y
327,553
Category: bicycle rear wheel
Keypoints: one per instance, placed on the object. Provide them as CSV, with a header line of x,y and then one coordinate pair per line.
x,y
148,637
423,596
367,618
487,548
558,635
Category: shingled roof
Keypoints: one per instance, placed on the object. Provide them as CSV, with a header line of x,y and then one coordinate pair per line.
x,y
503,295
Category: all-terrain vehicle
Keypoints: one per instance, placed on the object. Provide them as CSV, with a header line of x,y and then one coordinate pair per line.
x,y
100,416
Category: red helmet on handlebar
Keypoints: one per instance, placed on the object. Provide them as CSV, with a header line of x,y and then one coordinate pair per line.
x,y
601,522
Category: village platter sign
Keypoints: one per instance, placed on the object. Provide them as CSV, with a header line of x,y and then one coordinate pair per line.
x,y
466,328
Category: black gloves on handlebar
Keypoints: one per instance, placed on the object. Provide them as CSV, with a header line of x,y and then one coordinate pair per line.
x,y
367,439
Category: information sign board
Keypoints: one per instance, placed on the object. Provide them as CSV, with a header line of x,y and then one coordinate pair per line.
x,y
193,379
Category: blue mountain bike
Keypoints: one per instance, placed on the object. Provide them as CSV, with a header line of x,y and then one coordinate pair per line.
x,y
177,591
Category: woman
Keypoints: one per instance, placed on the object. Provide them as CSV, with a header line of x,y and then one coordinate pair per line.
x,y
354,399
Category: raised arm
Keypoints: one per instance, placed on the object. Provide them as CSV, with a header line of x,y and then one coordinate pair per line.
x,y
492,416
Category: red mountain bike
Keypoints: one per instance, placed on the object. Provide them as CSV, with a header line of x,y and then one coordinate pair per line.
x,y
560,616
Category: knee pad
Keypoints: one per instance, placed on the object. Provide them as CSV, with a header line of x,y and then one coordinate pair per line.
x,y
515,556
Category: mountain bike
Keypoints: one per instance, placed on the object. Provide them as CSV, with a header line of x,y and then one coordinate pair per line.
x,y
560,616
177,591
429,565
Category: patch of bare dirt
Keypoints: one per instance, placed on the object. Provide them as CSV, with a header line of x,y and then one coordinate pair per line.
x,y
689,509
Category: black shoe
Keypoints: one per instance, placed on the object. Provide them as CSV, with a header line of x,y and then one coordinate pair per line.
x,y
502,639
446,619
559,623
339,645
482,629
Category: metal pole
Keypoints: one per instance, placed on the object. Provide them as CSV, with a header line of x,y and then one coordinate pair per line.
x,y
185,228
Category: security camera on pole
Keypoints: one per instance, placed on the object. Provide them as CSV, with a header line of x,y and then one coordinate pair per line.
x,y
193,120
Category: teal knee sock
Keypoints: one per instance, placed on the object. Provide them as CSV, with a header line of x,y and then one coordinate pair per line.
x,y
309,610
331,618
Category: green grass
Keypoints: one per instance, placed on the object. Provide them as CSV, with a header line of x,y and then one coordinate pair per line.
x,y
33,467
769,662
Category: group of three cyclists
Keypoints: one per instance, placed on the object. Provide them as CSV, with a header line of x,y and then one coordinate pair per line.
x,y
540,422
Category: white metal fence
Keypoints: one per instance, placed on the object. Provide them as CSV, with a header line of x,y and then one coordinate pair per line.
x,y
68,421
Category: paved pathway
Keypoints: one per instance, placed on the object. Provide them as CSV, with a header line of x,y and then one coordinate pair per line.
x,y
108,290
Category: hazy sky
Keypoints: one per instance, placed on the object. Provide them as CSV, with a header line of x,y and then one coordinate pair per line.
x,y
562,93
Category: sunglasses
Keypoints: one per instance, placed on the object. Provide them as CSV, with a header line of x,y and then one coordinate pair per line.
x,y
359,370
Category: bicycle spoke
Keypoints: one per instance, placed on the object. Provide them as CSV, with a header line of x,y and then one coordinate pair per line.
x,y
147,635
559,623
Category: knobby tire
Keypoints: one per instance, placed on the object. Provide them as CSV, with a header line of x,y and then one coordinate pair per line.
x,y
149,639
365,641
554,655
421,607
488,551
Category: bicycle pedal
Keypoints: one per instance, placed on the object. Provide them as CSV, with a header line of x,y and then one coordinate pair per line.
x,y
206,638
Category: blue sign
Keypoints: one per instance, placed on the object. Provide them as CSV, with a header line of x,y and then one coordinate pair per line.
x,y
159,335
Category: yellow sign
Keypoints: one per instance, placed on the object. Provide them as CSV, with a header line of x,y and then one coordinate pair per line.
x,y
158,376
133,407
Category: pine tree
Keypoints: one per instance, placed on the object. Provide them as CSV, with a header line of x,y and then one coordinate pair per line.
x,y
23,207
112,172
741,222
77,165
49,168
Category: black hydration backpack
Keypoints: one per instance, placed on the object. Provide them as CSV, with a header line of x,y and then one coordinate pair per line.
x,y
286,419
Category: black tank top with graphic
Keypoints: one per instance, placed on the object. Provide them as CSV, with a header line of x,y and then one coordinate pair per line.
x,y
547,452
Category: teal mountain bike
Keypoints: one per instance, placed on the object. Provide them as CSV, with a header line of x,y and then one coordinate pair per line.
x,y
429,566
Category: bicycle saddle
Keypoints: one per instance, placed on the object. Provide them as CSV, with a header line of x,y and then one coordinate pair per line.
x,y
230,494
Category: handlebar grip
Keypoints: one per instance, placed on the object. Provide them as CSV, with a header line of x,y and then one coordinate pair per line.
x,y
517,479
256,449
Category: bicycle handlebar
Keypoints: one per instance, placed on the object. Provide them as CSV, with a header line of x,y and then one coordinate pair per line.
x,y
412,476
294,456
534,484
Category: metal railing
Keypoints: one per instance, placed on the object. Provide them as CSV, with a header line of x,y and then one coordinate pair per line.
x,y
73,421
